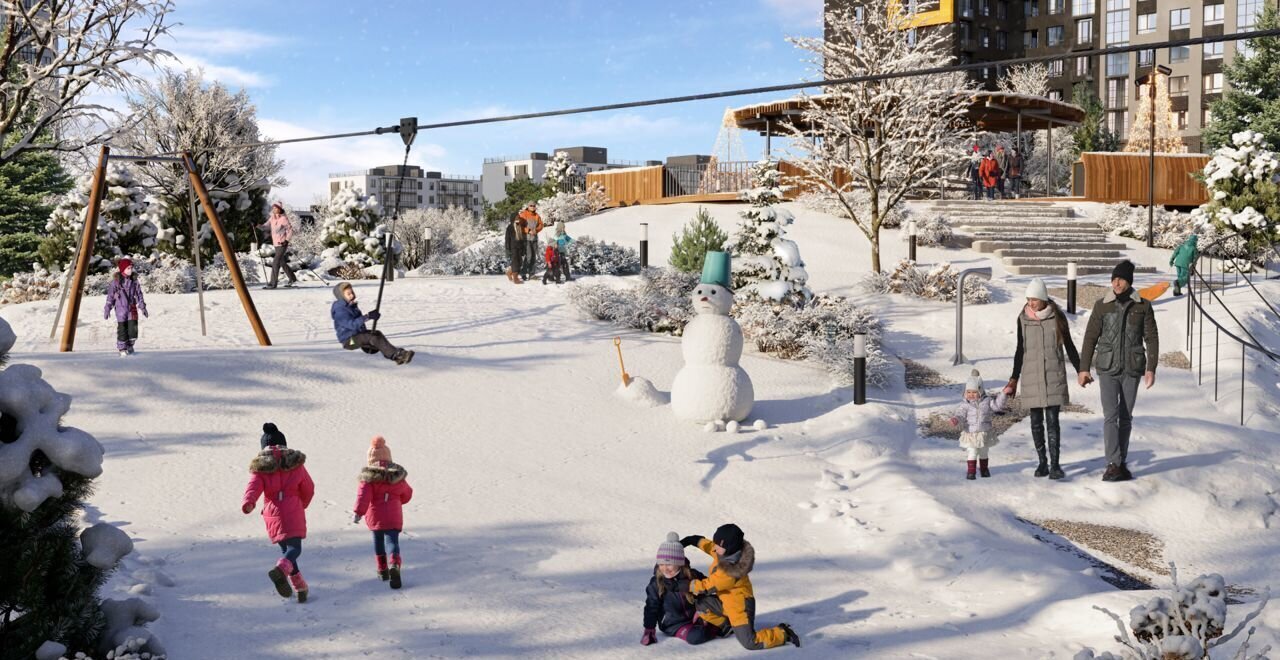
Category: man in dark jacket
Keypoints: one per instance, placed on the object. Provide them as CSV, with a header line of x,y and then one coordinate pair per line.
x,y
348,323
515,249
1122,341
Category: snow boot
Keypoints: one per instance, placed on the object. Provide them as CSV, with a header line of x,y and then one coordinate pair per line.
x,y
1112,473
277,576
982,468
299,585
972,469
395,571
1125,474
124,353
1177,288
383,574
1037,438
1055,447
791,636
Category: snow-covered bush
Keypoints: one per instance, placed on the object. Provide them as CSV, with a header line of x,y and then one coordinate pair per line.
x,y
765,262
936,283
1172,228
1186,625
452,229
486,258
586,257
560,169
821,330
352,230
305,247
933,230
30,287
124,227
1244,190
661,303
564,206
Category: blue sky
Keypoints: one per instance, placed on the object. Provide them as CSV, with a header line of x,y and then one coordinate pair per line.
x,y
327,66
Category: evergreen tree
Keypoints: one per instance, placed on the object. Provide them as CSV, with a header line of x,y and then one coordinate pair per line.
x,y
1092,134
124,227
29,184
519,193
700,236
1252,98
765,263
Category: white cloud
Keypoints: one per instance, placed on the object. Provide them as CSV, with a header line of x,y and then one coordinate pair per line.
x,y
308,164
233,77
807,13
223,40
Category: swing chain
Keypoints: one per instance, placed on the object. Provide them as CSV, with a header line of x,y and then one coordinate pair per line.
x,y
408,130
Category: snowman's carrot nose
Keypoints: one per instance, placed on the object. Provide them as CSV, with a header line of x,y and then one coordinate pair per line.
x,y
704,299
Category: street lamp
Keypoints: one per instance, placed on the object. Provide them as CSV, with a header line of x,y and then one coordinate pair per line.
x,y
1152,79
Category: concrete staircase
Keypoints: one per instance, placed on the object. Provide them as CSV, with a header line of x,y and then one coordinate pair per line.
x,y
1033,238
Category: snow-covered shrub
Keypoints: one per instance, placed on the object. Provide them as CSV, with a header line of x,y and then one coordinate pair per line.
x,y
661,303
1244,190
765,262
353,230
123,225
30,287
1186,625
564,206
306,246
588,256
560,169
820,330
936,283
489,257
486,258
1172,228
933,230
452,229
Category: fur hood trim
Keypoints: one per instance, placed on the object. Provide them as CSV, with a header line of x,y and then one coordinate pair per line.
x,y
265,461
739,569
393,473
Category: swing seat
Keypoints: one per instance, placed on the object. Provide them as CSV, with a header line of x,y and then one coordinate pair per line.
x,y
369,350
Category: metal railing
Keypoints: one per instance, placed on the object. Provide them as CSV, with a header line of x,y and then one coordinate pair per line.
x,y
1197,301
706,178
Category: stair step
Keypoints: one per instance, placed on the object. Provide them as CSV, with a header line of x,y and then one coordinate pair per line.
x,y
1061,261
1069,254
997,245
1014,223
1061,269
1016,230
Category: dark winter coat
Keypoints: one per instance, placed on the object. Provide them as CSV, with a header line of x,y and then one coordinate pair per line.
x,y
383,493
511,237
347,320
281,479
1014,165
729,582
1118,329
124,295
670,610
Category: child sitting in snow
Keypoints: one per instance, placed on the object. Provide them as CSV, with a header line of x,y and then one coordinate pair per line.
x,y
977,411
281,479
348,323
382,494
124,295
725,597
668,605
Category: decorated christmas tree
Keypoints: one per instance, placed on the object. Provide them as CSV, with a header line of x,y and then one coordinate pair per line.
x,y
765,262
1168,140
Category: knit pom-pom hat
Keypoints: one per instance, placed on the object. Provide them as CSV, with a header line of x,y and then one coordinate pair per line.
x,y
379,452
974,384
670,552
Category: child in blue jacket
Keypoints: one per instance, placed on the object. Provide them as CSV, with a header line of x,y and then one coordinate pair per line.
x,y
348,323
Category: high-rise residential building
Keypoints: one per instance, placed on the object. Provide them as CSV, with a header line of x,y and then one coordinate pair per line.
x,y
417,190
987,30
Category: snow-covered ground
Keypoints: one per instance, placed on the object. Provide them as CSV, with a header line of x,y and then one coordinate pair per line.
x,y
541,497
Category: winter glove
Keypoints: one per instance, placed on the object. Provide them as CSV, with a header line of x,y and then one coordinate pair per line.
x,y
145,314
691,540
955,422
374,315
356,519
649,637
248,506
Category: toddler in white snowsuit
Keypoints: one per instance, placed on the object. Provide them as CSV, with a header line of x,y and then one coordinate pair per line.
x,y
976,412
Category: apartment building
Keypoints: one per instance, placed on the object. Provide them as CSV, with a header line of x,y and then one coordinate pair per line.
x,y
498,171
419,190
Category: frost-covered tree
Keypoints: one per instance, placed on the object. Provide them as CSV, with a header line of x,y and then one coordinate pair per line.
x,y
452,229
52,569
181,111
765,262
1031,79
561,173
55,55
352,231
124,225
887,137
702,235
1243,182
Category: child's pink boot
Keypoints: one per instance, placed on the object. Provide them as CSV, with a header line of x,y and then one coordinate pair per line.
x,y
395,571
299,585
383,574
277,576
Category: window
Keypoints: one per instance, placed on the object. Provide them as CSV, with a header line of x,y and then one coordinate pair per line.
x,y
1118,27
1179,53
1031,39
1213,14
1002,9
522,172
1213,51
506,171
1118,64
1057,6
1146,23
1179,19
1081,7
966,8
1084,30
1055,69
1030,8
1115,92
1206,117
433,197
1084,67
1247,12
1212,83
984,7
1177,86
1002,40
984,37
1115,123
419,199
1055,94
1146,57
1117,5
1181,117
1054,35
964,33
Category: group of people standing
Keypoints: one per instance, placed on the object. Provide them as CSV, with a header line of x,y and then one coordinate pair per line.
x,y
995,172
522,248
1121,343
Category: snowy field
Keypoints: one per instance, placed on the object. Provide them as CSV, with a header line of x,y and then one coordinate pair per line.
x,y
541,497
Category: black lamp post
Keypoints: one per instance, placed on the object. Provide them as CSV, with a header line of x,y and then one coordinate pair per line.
x,y
1151,79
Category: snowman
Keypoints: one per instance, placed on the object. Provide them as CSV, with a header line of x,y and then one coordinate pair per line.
x,y
711,386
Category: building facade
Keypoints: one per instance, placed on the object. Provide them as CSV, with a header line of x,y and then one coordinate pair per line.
x,y
420,189
500,170
990,30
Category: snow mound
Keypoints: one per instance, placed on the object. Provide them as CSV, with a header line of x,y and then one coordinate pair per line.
x,y
7,337
642,393
105,545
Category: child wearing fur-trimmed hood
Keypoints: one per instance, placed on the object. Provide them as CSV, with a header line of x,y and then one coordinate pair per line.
x,y
380,500
281,479
976,411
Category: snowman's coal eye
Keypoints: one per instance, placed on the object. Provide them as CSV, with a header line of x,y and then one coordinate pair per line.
x,y
713,292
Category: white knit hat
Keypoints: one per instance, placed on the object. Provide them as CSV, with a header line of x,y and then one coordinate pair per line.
x,y
974,383
670,552
1037,290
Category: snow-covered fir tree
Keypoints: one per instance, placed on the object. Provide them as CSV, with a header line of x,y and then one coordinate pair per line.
x,y
560,172
353,232
124,225
765,262
52,568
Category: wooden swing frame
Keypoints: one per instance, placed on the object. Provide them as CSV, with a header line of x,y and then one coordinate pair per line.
x,y
90,231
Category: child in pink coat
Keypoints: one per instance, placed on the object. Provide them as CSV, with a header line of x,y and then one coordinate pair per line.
x,y
281,479
382,494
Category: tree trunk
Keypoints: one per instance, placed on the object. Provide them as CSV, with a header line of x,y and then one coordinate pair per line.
x,y
875,253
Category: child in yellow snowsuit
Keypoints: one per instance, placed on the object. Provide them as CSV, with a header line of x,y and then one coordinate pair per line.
x,y
725,597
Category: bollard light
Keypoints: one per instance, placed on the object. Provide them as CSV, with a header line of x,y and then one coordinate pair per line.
x,y
644,245
1071,287
859,368
426,236
911,240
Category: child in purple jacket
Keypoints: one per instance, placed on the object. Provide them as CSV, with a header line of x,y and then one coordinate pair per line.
x,y
124,295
